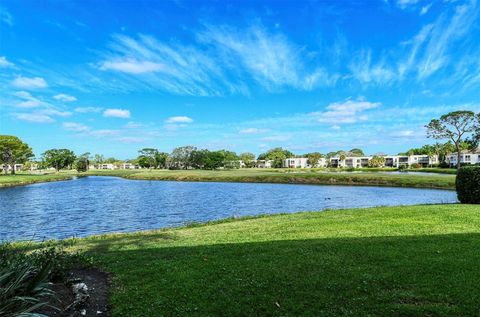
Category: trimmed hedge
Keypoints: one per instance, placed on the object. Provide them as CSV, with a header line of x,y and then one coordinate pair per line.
x,y
468,185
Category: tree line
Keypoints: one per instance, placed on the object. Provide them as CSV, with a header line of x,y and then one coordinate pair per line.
x,y
460,128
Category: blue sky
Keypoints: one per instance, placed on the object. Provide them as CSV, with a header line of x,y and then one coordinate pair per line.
x,y
112,77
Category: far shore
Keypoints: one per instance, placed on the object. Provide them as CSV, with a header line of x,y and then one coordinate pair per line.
x,y
364,177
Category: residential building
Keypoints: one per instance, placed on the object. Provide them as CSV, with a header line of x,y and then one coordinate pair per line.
x,y
130,166
466,157
264,163
295,162
350,161
106,166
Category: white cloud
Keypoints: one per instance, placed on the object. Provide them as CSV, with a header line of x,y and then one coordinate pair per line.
x,y
443,36
425,9
132,66
350,111
56,112
271,59
29,104
65,98
87,109
364,71
29,83
4,63
117,113
252,131
34,117
179,119
406,3
76,127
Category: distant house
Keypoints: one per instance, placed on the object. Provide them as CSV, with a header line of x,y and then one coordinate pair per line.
x,y
15,167
106,166
423,160
264,163
295,162
466,157
130,166
350,161
390,161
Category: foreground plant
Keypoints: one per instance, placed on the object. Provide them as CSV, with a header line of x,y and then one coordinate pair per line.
x,y
24,288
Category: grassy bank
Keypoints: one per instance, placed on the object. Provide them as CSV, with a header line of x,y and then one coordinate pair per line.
x,y
395,261
27,178
290,177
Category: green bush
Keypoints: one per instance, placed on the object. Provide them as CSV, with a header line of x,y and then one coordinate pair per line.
x,y
468,185
26,277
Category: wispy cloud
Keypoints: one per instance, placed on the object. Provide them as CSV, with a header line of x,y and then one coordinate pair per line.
x,y
252,131
179,119
270,58
64,98
117,113
4,63
222,61
5,16
88,109
34,117
132,66
29,83
76,127
350,111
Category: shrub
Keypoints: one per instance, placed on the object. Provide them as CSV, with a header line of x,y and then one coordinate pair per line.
x,y
26,277
468,185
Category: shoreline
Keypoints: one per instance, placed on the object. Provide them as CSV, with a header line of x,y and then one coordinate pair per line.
x,y
252,176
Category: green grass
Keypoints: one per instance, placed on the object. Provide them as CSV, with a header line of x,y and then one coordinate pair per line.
x,y
23,178
290,176
388,261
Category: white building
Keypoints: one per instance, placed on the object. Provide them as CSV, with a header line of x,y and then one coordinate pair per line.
x,y
264,163
466,157
295,162
390,161
130,166
106,166
350,162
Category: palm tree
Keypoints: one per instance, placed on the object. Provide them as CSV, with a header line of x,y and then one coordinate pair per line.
x,y
342,158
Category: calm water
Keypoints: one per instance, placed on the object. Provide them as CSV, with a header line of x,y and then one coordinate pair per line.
x,y
93,205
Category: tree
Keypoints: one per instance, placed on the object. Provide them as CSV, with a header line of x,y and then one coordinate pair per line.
x,y
356,152
152,158
342,158
83,162
214,159
314,158
248,159
376,161
277,155
13,151
230,159
181,157
454,126
98,160
59,158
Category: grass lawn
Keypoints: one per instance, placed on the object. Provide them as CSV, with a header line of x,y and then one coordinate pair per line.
x,y
23,178
391,261
290,176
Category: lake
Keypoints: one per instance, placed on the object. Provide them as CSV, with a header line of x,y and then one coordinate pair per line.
x,y
95,205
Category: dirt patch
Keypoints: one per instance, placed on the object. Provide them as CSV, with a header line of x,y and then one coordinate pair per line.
x,y
97,304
